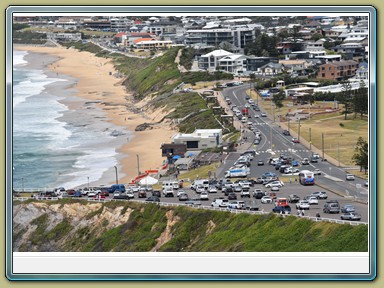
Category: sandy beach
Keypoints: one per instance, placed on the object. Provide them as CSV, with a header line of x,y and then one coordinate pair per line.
x,y
96,81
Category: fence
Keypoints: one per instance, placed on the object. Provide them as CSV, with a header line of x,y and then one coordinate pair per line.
x,y
235,211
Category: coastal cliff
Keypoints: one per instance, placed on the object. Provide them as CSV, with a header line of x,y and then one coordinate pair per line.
x,y
81,226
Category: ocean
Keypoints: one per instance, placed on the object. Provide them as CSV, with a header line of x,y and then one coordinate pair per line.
x,y
54,146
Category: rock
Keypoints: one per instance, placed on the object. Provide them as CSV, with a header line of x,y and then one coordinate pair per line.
x,y
144,126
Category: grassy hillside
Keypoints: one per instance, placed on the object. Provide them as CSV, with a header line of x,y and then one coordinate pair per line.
x,y
133,226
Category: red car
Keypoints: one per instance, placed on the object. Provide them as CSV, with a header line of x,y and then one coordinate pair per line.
x,y
295,140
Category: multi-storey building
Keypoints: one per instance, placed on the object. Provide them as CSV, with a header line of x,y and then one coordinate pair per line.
x,y
337,70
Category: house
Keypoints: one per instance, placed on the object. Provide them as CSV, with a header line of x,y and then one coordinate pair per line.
x,y
362,73
254,62
270,69
233,64
152,44
120,38
64,36
352,51
337,70
294,66
200,139
171,149
284,47
210,60
312,46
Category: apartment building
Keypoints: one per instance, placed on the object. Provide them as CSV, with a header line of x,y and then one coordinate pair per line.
x,y
337,70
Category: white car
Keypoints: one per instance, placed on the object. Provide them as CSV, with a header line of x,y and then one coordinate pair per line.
x,y
275,188
212,189
266,199
179,192
350,177
204,196
312,200
302,204
316,172
274,184
200,189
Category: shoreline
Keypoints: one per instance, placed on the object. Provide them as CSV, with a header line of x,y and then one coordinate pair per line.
x,y
95,83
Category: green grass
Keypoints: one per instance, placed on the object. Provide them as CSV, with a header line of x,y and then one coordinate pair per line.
x,y
197,230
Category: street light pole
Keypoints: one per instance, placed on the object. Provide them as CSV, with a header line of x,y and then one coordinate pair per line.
x,y
88,182
322,143
117,181
138,164
289,126
310,139
298,131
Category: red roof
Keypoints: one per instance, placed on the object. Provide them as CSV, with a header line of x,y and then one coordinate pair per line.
x,y
120,34
142,39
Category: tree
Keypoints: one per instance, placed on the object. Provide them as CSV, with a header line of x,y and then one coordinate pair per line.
x,y
278,99
345,96
361,154
360,100
316,36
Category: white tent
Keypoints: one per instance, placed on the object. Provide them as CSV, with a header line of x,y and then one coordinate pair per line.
x,y
148,180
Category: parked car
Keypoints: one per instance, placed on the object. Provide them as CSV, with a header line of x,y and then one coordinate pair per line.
x,y
302,205
352,216
266,199
232,196
130,194
183,197
347,208
179,192
314,159
193,201
275,188
258,193
260,163
245,194
312,200
212,189
204,196
349,177
295,140
305,161
153,199
293,198
263,114
320,195
282,209
156,193
331,206
120,195
295,163
142,194
274,184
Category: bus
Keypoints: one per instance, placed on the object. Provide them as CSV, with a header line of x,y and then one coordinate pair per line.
x,y
306,177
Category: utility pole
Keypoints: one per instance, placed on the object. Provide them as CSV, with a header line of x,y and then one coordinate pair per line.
x,y
298,131
338,152
289,126
310,139
322,144
138,164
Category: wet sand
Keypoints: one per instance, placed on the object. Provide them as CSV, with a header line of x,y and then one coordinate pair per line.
x,y
96,82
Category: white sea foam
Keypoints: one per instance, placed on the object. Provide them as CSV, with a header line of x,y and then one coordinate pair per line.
x,y
18,58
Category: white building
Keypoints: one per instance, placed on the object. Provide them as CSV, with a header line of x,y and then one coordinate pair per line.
x,y
233,64
200,139
210,60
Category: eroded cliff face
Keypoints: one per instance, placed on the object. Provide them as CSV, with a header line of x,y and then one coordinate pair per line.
x,y
41,226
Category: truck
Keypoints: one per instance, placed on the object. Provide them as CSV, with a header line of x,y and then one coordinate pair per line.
x,y
235,173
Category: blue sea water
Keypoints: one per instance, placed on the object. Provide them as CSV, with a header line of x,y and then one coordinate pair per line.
x,y
49,151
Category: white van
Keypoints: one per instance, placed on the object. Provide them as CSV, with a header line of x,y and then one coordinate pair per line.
x,y
220,203
203,182
174,185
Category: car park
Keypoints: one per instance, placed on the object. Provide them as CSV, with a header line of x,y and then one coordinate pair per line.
x,y
266,200
320,195
349,177
351,216
347,208
302,205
